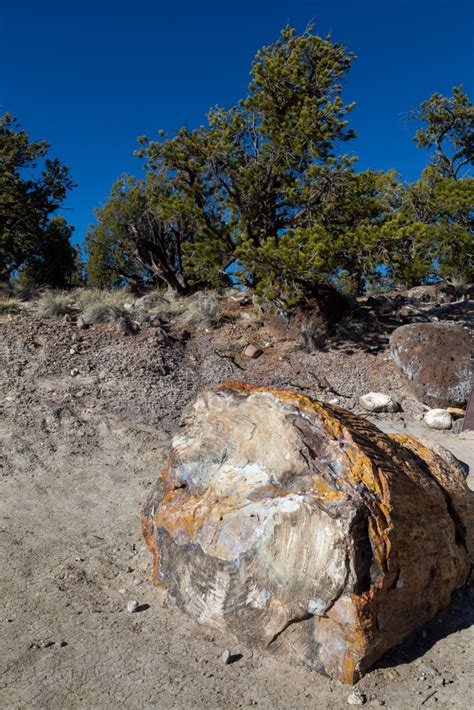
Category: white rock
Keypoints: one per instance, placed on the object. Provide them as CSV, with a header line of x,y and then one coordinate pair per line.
x,y
132,606
356,698
225,657
438,419
378,402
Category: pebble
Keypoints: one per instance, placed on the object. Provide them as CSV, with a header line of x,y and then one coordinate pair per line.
x,y
74,372
357,698
378,402
438,419
122,590
252,351
225,658
132,606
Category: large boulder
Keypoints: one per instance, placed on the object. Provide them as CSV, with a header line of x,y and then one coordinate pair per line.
x,y
304,530
436,360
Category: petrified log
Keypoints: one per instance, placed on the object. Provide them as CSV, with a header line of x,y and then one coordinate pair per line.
x,y
305,530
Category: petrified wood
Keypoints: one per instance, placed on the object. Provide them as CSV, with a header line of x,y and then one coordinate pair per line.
x,y
305,530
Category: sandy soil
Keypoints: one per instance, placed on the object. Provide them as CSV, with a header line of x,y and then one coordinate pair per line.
x,y
78,453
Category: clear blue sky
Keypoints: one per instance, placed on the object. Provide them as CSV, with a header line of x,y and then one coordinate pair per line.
x,y
91,76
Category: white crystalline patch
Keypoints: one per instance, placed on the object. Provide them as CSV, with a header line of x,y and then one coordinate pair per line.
x,y
317,606
258,598
227,479
238,530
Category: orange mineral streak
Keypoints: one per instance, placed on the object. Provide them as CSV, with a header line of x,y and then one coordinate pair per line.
x,y
147,530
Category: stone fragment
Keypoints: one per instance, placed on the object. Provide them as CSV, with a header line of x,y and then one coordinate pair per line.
x,y
437,360
458,425
356,698
252,351
378,402
132,606
456,412
305,531
438,419
225,657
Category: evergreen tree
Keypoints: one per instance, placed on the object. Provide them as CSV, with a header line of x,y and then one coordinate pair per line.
x,y
32,187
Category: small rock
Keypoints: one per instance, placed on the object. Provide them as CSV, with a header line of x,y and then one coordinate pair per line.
x,y
162,336
74,372
378,402
132,606
225,658
438,419
456,412
334,400
73,351
458,425
252,351
122,590
356,698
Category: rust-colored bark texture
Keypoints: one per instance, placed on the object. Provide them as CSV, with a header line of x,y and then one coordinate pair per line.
x,y
304,530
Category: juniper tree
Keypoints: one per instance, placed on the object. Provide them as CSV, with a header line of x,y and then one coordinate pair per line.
x,y
32,188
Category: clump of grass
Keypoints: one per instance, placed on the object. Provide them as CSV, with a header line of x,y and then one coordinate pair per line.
x,y
85,297
54,304
24,292
115,315
205,310
10,305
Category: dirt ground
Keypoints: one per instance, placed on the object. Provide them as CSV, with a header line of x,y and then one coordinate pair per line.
x,y
86,419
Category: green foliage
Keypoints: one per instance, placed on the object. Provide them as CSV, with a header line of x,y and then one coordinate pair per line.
x,y
449,130
264,188
260,169
32,187
54,261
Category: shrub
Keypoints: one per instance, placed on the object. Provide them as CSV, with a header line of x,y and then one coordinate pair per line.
x,y
204,310
53,304
109,314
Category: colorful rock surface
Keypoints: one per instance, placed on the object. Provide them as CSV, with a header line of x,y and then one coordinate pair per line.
x,y
304,530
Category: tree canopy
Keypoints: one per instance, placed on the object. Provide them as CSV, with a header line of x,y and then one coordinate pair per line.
x,y
266,190
32,188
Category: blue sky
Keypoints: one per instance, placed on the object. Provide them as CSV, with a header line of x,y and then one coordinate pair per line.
x,y
91,76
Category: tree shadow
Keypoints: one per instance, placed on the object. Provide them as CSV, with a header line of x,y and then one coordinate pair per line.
x,y
370,323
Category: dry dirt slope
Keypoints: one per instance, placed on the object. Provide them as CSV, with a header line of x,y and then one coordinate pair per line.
x,y
78,454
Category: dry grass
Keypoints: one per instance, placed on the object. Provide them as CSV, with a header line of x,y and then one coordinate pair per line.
x,y
10,305
54,304
119,307
204,310
85,297
115,315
